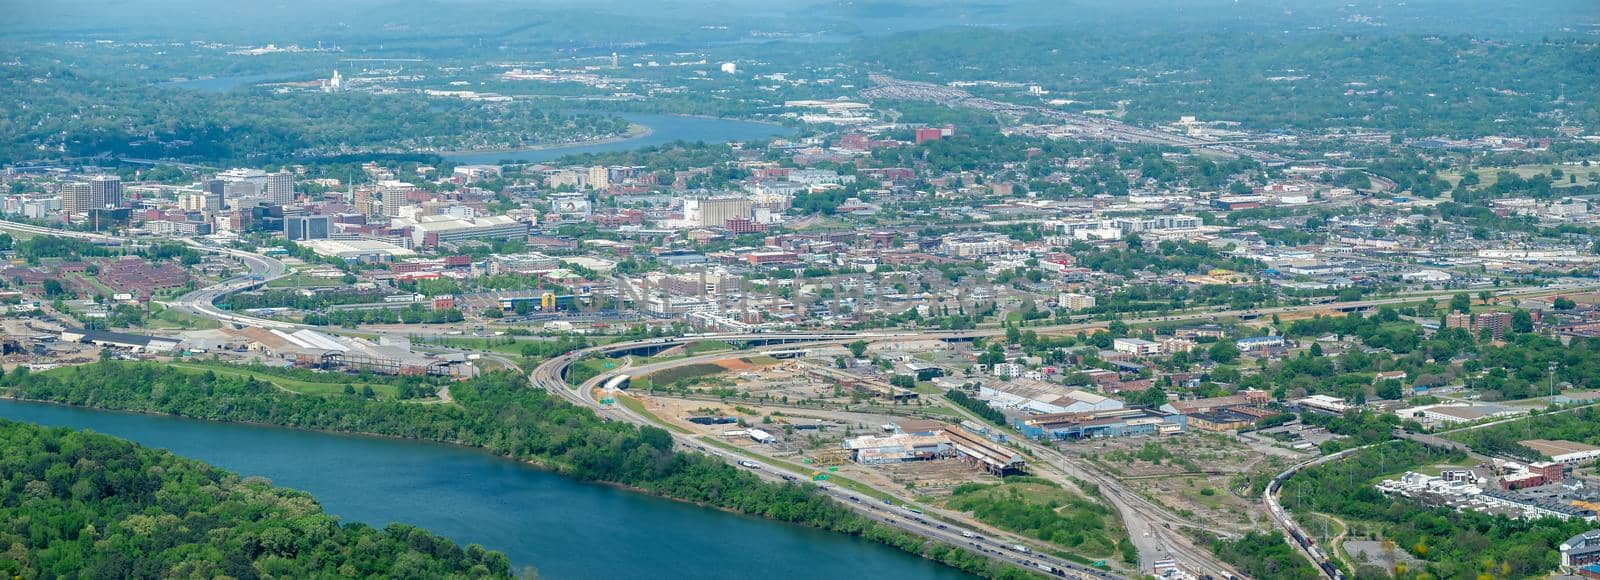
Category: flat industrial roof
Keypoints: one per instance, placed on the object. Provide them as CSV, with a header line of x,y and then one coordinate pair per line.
x,y
1553,448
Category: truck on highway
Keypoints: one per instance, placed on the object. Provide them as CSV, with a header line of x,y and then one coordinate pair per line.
x,y
967,534
1021,548
749,464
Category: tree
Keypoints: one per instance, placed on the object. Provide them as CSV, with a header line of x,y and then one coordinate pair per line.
x,y
1564,303
858,348
1461,303
1223,352
1521,321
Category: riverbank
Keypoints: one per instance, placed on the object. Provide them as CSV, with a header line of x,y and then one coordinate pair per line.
x,y
496,415
635,131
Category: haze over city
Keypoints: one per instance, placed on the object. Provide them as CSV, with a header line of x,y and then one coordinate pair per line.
x,y
1275,289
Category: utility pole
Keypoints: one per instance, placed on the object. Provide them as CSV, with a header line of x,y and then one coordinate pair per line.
x,y
1552,382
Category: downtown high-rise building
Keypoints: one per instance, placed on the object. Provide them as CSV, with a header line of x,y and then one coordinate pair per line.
x,y
215,191
280,188
105,191
75,196
395,195
307,227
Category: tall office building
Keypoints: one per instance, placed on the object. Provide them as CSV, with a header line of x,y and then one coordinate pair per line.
x,y
75,196
394,195
307,227
362,199
715,211
215,192
194,201
599,177
105,191
280,188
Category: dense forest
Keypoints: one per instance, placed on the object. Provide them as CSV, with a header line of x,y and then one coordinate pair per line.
x,y
62,112
1420,85
498,412
79,504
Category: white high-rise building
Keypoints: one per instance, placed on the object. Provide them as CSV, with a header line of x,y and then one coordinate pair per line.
x,y
75,196
394,195
599,177
280,188
105,191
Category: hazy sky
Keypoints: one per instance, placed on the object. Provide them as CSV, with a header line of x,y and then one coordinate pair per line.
x,y
355,21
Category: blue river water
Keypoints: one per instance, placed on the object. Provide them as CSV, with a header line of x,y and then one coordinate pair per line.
x,y
664,129
562,527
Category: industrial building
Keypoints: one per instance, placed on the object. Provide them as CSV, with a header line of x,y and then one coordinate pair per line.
x,y
1568,453
897,448
357,250
980,450
312,349
1136,346
431,231
1101,424
133,342
1042,397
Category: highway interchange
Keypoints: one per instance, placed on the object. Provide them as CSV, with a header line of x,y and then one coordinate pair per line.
x,y
1151,527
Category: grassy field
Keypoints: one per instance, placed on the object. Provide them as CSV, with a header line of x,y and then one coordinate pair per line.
x,y
302,282
707,346
168,318
685,372
500,345
1487,176
334,386
589,368
1042,510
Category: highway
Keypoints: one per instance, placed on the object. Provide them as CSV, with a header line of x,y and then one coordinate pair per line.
x,y
548,376
1152,528
199,302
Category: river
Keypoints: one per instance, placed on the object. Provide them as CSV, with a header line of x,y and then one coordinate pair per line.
x,y
664,129
563,527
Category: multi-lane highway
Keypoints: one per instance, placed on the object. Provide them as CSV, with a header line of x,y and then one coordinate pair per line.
x,y
1152,527
201,302
549,376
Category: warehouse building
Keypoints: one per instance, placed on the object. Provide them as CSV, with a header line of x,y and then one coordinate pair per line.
x,y
1102,424
1568,453
1042,397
